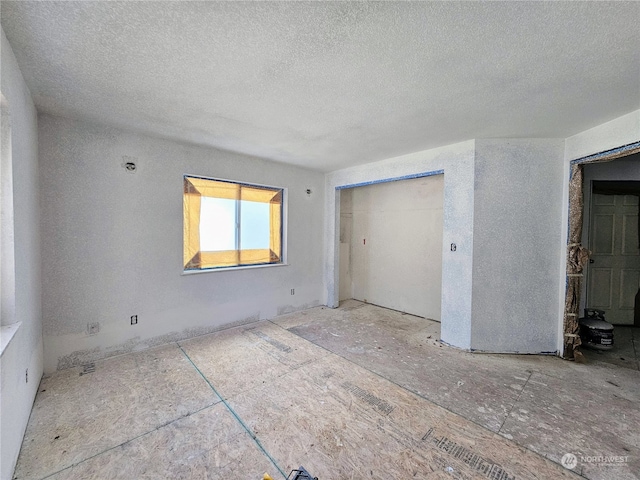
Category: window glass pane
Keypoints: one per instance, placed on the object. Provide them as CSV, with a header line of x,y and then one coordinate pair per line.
x,y
217,224
254,225
229,224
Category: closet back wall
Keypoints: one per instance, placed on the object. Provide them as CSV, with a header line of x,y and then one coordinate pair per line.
x,y
391,245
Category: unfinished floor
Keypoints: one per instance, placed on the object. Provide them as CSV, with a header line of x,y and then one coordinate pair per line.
x,y
350,393
625,352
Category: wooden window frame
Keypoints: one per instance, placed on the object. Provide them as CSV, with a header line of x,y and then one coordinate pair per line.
x,y
196,187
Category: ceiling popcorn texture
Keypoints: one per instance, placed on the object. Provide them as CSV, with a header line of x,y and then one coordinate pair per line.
x,y
329,85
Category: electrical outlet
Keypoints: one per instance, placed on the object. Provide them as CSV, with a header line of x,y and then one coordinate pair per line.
x,y
93,328
134,319
293,291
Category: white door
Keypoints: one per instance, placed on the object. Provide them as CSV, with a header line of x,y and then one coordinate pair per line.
x,y
613,274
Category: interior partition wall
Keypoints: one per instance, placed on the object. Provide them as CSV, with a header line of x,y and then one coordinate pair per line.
x,y
456,164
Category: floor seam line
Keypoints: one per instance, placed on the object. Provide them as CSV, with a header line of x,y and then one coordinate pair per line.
x,y
408,389
130,440
393,382
277,377
516,401
235,415
435,403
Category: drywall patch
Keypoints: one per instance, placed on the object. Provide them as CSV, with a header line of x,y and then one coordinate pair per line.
x,y
354,306
198,331
285,309
78,358
82,357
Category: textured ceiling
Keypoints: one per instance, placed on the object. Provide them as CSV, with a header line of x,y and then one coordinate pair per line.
x,y
328,85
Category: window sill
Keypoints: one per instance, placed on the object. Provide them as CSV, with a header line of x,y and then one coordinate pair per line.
x,y
227,269
7,332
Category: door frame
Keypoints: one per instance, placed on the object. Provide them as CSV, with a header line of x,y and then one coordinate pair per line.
x,y
577,254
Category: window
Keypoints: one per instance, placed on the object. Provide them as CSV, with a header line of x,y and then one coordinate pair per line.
x,y
229,224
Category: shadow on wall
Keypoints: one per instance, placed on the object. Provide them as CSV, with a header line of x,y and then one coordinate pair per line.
x,y
8,289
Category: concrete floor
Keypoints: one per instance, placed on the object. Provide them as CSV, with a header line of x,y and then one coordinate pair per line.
x,y
350,393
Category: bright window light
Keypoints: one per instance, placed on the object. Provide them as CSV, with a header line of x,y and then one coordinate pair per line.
x,y
229,224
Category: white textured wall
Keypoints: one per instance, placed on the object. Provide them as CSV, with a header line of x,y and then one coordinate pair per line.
x,y
396,245
457,161
25,350
517,244
112,243
615,133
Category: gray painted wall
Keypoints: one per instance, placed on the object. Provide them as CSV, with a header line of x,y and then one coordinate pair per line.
x,y
516,244
457,161
112,243
395,257
25,349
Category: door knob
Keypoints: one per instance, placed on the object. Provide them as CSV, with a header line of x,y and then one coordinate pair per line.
x,y
591,260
